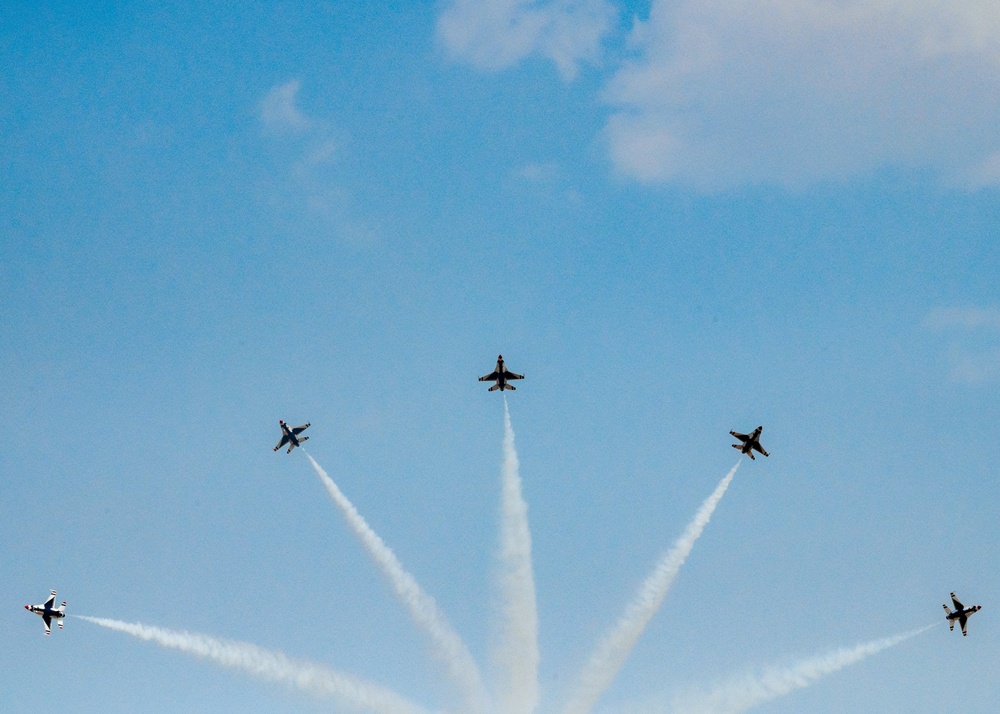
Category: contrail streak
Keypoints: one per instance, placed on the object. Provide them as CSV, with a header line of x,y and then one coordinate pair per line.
x,y
614,649
424,611
274,666
746,691
517,653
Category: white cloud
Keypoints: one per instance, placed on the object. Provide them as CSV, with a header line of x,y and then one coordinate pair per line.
x,y
727,92
309,139
967,318
322,152
278,111
975,368
497,34
973,355
539,172
988,173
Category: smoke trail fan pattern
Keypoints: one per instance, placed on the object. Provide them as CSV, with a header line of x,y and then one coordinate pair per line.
x,y
517,653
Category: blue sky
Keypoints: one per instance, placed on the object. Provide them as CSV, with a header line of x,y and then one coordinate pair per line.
x,y
675,218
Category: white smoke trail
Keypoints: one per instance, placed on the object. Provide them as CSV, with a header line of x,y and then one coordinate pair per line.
x,y
517,654
424,611
614,649
273,666
746,691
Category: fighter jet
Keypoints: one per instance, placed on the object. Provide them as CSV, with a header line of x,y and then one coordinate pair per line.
x,y
500,375
962,615
48,613
291,436
751,442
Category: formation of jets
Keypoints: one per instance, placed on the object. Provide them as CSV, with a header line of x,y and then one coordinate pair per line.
x,y
500,375
48,613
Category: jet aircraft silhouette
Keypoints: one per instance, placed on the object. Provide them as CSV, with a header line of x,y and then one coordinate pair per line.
x,y
751,442
291,436
48,613
500,375
962,615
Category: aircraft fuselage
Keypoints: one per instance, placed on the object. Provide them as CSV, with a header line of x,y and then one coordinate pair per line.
x,y
42,611
288,432
48,612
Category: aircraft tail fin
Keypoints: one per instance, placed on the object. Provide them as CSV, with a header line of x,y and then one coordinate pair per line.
x,y
494,388
61,608
510,387
946,609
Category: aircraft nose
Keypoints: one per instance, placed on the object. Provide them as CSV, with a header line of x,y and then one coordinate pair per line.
x,y
27,607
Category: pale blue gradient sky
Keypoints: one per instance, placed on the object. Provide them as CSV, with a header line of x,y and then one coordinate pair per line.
x,y
213,219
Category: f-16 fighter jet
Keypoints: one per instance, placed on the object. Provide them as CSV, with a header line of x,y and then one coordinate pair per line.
x,y
291,437
751,442
962,614
500,375
48,613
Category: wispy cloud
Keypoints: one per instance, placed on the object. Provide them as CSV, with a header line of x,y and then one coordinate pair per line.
x,y
279,111
497,34
305,151
538,172
311,138
974,368
963,318
973,355
787,92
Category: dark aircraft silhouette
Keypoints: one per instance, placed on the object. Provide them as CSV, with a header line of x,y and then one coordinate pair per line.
x,y
962,614
751,442
291,437
500,375
49,613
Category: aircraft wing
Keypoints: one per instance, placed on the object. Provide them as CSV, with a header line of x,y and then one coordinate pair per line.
x,y
51,601
961,621
284,440
491,377
299,429
512,375
958,605
741,437
48,624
